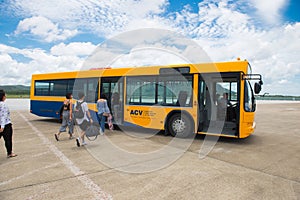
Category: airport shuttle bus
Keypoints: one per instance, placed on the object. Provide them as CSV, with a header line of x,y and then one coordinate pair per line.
x,y
208,98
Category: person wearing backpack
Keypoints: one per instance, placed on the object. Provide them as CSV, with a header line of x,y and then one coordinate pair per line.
x,y
83,117
67,119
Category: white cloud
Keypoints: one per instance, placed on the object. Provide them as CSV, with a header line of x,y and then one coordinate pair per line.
x,y
75,48
44,29
146,57
283,81
270,11
11,70
103,17
225,34
15,71
146,47
225,29
214,20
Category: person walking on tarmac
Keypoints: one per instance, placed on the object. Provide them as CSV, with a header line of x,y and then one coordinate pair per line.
x,y
67,117
83,117
6,129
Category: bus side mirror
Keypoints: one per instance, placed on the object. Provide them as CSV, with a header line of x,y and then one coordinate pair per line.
x,y
257,87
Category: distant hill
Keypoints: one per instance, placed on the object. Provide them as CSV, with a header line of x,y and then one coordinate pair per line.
x,y
16,89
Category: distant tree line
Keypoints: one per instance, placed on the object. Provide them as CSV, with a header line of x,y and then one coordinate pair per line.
x,y
16,90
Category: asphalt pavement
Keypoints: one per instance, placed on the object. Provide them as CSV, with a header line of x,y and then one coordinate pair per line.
x,y
139,164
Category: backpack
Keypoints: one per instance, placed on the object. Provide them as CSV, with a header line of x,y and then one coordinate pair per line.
x,y
78,112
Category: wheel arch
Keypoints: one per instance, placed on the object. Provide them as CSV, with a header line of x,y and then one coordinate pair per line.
x,y
170,114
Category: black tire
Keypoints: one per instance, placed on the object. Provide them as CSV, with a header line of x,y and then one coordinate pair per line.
x,y
180,125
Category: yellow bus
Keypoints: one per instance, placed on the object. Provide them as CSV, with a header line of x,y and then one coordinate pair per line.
x,y
207,98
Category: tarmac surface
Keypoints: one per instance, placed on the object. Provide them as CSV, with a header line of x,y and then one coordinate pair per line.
x,y
123,165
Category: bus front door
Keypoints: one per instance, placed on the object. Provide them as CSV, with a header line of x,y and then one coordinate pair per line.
x,y
219,102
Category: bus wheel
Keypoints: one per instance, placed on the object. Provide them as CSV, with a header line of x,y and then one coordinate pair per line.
x,y
180,125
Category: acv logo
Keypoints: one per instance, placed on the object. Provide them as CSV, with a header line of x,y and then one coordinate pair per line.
x,y
136,112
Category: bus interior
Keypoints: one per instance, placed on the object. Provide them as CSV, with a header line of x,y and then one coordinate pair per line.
x,y
219,102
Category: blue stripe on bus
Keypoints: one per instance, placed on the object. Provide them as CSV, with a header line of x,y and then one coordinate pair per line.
x,y
51,109
45,108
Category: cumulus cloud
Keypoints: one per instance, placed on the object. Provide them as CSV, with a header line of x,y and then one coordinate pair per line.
x,y
16,71
146,47
214,20
225,29
225,33
43,29
270,11
75,48
100,17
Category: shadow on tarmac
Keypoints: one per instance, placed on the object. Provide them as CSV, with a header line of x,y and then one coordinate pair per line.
x,y
147,133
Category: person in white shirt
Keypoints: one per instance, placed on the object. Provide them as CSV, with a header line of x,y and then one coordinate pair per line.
x,y
85,120
224,102
223,105
6,127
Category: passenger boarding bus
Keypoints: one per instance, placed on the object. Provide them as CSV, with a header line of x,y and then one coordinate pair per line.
x,y
208,98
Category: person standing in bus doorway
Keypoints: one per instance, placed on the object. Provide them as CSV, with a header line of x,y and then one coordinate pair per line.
x,y
224,101
83,122
6,127
223,104
67,117
115,106
103,112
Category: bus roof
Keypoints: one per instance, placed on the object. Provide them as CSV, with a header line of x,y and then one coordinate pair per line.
x,y
236,66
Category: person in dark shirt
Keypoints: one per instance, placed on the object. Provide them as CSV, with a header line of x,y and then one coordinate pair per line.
x,y
67,117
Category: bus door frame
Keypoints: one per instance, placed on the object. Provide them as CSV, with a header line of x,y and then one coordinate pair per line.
x,y
205,88
117,80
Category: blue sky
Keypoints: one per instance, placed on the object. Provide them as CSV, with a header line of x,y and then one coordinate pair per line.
x,y
50,36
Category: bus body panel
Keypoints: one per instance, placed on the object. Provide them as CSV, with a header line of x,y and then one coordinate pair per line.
x,y
247,126
147,116
153,117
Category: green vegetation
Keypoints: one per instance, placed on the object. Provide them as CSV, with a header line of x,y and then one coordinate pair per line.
x,y
16,91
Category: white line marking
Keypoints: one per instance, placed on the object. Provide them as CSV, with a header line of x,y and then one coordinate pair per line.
x,y
27,174
99,194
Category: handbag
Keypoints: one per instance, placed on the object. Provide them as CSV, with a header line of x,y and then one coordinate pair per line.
x,y
110,123
92,132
